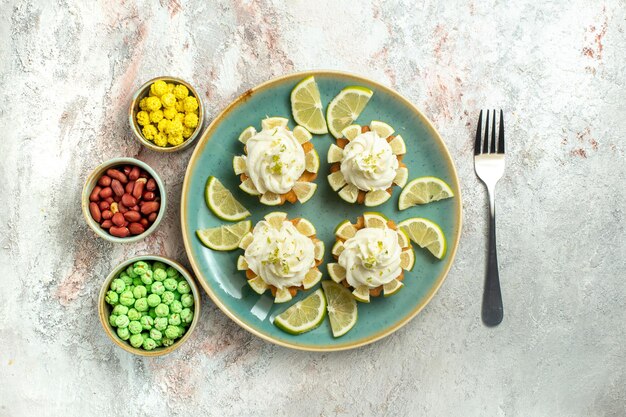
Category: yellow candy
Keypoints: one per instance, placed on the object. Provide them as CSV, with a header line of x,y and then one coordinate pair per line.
x,y
163,125
187,131
158,88
169,113
175,139
153,103
190,104
170,87
143,118
142,103
160,139
180,117
180,91
156,116
180,106
174,128
149,132
191,120
168,100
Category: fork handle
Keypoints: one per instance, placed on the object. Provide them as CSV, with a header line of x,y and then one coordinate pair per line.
x,y
492,311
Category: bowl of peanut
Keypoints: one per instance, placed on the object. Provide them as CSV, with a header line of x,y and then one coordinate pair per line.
x,y
123,200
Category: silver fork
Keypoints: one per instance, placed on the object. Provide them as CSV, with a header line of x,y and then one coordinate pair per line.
x,y
489,166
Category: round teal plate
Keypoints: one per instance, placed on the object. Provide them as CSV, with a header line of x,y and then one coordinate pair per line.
x,y
426,156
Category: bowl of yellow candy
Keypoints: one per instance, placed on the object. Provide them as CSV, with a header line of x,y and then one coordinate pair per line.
x,y
166,114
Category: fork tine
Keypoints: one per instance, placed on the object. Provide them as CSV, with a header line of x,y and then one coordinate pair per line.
x,y
486,140
501,133
492,146
478,134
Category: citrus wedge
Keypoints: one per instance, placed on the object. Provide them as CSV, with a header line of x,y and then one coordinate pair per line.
x,y
336,180
346,107
224,238
342,309
345,230
312,161
222,202
304,190
272,122
351,132
382,128
424,190
303,316
337,272
335,154
392,287
247,133
376,198
426,234
306,106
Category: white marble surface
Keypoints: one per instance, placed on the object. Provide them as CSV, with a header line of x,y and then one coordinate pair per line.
x,y
67,70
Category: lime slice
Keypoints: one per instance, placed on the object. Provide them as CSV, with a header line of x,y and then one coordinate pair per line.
x,y
270,199
302,134
272,122
248,187
239,165
303,316
392,287
225,237
337,272
426,234
375,219
335,154
349,193
247,133
258,285
276,218
351,132
402,175
311,278
345,230
397,146
362,294
312,161
336,180
376,198
304,190
423,190
282,296
346,107
382,128
222,203
407,259
338,247
403,238
246,240
342,309
242,264
305,227
306,106
319,250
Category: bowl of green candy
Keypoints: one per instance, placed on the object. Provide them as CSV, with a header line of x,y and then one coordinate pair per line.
x,y
149,305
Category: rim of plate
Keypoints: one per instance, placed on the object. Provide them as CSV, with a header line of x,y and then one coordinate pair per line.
x,y
444,151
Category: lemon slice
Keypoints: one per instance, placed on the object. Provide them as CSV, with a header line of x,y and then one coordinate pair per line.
x,y
423,190
247,133
276,218
319,250
312,161
338,247
270,199
351,132
336,180
346,107
311,278
272,122
392,287
335,154
303,316
306,106
426,234
402,175
342,309
246,240
376,198
282,296
248,187
362,294
349,193
222,202
258,285
305,227
337,272
242,264
225,237
403,238
302,134
407,259
304,190
382,128
375,219
345,230
239,165
397,146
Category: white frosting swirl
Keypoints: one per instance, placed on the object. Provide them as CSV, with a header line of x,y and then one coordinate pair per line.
x,y
275,160
369,163
281,257
371,257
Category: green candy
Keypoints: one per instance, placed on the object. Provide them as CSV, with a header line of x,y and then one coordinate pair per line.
x,y
146,277
174,319
112,319
186,300
176,306
170,284
172,332
149,288
134,327
183,287
133,314
137,281
130,271
122,321
146,322
186,316
130,288
167,341
160,323
154,300
158,288
167,298
124,277
140,291
118,285
156,334
140,268
149,344
120,310
127,299
172,272
136,340
159,274
162,310
112,298
123,333
141,304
